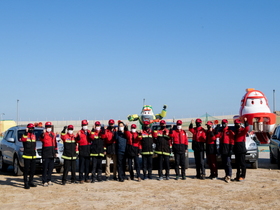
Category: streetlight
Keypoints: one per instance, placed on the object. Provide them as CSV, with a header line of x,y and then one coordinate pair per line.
x,y
17,111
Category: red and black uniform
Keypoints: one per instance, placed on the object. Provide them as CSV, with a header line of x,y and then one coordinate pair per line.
x,y
29,156
179,147
147,152
97,153
163,149
83,139
226,139
69,155
49,153
239,149
110,142
211,152
198,142
133,149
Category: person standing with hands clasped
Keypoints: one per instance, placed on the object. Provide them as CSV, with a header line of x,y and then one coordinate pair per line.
x,y
29,156
49,153
69,153
180,147
239,148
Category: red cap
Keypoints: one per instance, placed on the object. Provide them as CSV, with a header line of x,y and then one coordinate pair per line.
x,y
111,122
30,125
97,123
70,127
209,123
133,126
198,120
237,121
48,124
40,124
224,121
162,122
179,122
84,122
146,122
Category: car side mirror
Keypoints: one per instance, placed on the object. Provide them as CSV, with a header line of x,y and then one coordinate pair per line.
x,y
274,137
12,140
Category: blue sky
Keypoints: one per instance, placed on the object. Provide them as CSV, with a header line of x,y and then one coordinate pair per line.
x,y
98,59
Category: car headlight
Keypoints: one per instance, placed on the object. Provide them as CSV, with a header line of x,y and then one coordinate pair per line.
x,y
252,146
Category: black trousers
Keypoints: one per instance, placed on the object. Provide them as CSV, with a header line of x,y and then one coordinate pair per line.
x,y
147,161
121,166
199,163
48,164
163,161
240,165
29,169
67,165
96,168
84,168
180,160
135,159
226,160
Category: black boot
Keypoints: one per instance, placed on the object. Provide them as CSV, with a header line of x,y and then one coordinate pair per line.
x,y
26,185
31,184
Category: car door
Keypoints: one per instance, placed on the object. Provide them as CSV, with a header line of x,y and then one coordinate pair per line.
x,y
274,143
8,147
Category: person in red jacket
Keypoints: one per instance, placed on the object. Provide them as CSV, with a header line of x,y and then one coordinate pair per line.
x,y
211,151
83,139
133,150
198,142
69,153
180,147
110,143
239,148
49,153
226,138
163,149
29,156
97,151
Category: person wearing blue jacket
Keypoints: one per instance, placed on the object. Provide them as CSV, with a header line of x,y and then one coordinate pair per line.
x,y
120,150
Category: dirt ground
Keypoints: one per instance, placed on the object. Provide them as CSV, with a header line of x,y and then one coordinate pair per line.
x,y
261,190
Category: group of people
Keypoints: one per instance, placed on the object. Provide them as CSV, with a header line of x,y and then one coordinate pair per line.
x,y
121,145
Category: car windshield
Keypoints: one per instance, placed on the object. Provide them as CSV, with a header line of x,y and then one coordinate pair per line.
x,y
157,127
36,132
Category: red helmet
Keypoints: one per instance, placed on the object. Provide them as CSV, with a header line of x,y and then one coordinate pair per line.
x,y
48,124
162,122
97,123
198,120
146,122
237,121
179,122
224,121
111,122
209,123
70,127
30,125
133,126
84,122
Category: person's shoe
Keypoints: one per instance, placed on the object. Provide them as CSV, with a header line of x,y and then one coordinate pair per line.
x,y
107,178
87,181
31,184
203,177
74,182
236,179
145,178
167,178
132,177
121,180
93,181
214,178
228,179
183,178
50,183
26,186
82,182
100,180
63,183
160,178
139,179
177,178
241,179
114,178
150,177
45,184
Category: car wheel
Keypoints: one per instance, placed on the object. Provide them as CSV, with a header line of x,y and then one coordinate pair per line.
x,y
17,169
272,159
255,165
3,166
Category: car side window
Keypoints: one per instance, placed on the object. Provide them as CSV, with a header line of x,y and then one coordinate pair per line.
x,y
9,134
20,134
